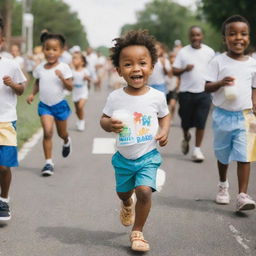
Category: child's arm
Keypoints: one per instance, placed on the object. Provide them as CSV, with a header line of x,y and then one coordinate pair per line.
x,y
214,86
68,84
254,100
162,135
110,124
18,88
31,97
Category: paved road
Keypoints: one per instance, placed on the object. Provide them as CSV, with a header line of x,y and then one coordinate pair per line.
x,y
75,212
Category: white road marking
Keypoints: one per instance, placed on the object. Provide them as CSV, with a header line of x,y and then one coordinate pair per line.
x,y
103,146
240,239
27,146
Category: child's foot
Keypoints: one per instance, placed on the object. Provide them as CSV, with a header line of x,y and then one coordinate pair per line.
x,y
223,196
127,214
185,144
80,125
197,156
5,214
47,170
244,202
138,243
66,148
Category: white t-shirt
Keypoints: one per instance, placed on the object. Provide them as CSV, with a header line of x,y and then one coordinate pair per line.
x,y
8,98
19,60
80,89
145,110
158,75
193,81
244,73
51,88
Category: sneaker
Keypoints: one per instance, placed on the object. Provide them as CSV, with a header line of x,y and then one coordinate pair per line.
x,y
47,170
66,150
197,156
244,202
80,125
223,196
5,213
185,144
127,214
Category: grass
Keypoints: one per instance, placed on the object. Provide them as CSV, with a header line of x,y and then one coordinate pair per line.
x,y
28,120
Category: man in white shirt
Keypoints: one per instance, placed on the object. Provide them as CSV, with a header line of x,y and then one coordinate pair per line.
x,y
190,64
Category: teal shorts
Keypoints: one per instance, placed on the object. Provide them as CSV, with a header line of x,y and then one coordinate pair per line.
x,y
139,172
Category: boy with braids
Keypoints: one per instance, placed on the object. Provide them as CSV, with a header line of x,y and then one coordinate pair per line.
x,y
11,84
134,56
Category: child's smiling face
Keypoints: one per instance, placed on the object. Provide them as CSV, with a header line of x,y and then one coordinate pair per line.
x,y
236,38
52,50
135,66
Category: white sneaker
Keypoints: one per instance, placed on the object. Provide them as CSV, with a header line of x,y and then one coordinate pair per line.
x,y
197,156
244,202
223,196
80,125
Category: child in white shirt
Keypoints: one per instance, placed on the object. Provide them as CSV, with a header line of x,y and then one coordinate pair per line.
x,y
139,115
234,117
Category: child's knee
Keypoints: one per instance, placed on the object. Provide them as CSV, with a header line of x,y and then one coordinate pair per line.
x,y
48,135
143,194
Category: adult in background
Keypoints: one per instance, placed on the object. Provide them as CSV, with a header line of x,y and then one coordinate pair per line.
x,y
190,64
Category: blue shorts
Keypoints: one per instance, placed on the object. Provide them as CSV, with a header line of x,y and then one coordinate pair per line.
x,y
233,140
9,154
60,111
139,172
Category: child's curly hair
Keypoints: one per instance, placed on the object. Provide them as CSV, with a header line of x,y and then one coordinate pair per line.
x,y
133,37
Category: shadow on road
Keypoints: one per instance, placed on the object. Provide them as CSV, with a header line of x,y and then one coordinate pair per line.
x,y
200,205
69,235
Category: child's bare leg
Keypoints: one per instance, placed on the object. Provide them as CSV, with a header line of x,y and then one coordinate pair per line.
x,y
80,108
142,208
126,197
47,124
5,180
223,168
62,129
243,173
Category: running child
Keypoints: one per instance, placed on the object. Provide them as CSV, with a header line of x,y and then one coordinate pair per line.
x,y
81,77
52,77
147,121
11,84
233,119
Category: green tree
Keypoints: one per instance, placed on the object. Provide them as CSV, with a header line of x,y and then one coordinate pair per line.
x,y
54,15
217,12
168,21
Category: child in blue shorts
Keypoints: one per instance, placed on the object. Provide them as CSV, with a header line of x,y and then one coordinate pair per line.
x,y
52,77
11,84
139,115
232,79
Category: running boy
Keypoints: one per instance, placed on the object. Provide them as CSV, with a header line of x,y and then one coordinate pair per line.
x,y
11,84
52,77
136,163
234,136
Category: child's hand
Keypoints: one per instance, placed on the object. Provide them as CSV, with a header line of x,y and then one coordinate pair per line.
x,y
227,81
7,81
59,74
30,98
116,125
189,67
162,137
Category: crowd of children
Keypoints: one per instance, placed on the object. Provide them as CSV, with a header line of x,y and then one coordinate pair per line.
x,y
138,112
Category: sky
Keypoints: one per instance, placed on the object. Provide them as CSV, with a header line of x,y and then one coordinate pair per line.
x,y
103,19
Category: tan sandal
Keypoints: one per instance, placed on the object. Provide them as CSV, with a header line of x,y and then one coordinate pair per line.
x,y
127,214
138,243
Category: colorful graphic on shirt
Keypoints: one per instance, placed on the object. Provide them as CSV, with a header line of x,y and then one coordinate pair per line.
x,y
143,125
